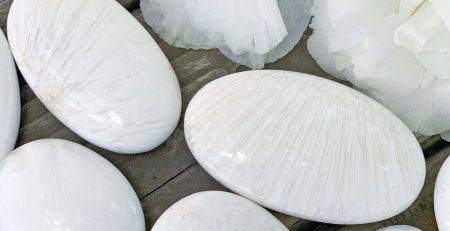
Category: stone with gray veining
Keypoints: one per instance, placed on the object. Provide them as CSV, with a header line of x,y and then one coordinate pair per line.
x,y
97,70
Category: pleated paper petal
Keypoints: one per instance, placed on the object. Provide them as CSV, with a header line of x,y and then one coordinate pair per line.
x,y
248,32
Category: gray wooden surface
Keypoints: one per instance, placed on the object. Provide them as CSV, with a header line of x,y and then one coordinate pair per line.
x,y
165,175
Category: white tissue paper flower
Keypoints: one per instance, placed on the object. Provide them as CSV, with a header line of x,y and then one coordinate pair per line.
x,y
396,51
249,32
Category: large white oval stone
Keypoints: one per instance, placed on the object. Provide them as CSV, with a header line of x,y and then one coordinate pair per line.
x,y
399,228
59,185
305,146
96,69
9,99
218,211
442,197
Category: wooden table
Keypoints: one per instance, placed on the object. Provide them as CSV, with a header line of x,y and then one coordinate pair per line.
x,y
169,173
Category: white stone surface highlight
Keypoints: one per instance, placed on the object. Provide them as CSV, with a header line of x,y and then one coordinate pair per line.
x,y
305,146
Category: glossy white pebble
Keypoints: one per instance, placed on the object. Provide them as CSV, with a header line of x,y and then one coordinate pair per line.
x,y
399,228
50,185
305,146
97,70
9,99
218,211
442,197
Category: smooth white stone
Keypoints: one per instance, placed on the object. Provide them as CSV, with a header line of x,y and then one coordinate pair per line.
x,y
442,197
400,228
213,210
9,99
96,69
305,146
59,185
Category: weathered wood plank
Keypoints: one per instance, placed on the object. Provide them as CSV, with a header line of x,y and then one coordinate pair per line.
x,y
4,9
147,172
129,4
42,127
191,180
299,60
170,51
197,63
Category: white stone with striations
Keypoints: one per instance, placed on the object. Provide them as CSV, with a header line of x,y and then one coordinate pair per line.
x,y
305,146
97,70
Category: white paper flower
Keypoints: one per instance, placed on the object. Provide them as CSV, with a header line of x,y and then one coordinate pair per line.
x,y
248,32
396,51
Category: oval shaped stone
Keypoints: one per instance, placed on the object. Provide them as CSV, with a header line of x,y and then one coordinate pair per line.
x,y
97,70
305,146
60,185
214,210
442,197
399,228
9,99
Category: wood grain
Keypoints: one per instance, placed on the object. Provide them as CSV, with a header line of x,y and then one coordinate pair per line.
x,y
4,8
167,174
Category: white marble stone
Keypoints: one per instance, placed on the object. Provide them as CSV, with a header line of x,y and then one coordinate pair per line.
x,y
218,211
442,197
305,146
400,228
50,185
9,99
97,70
